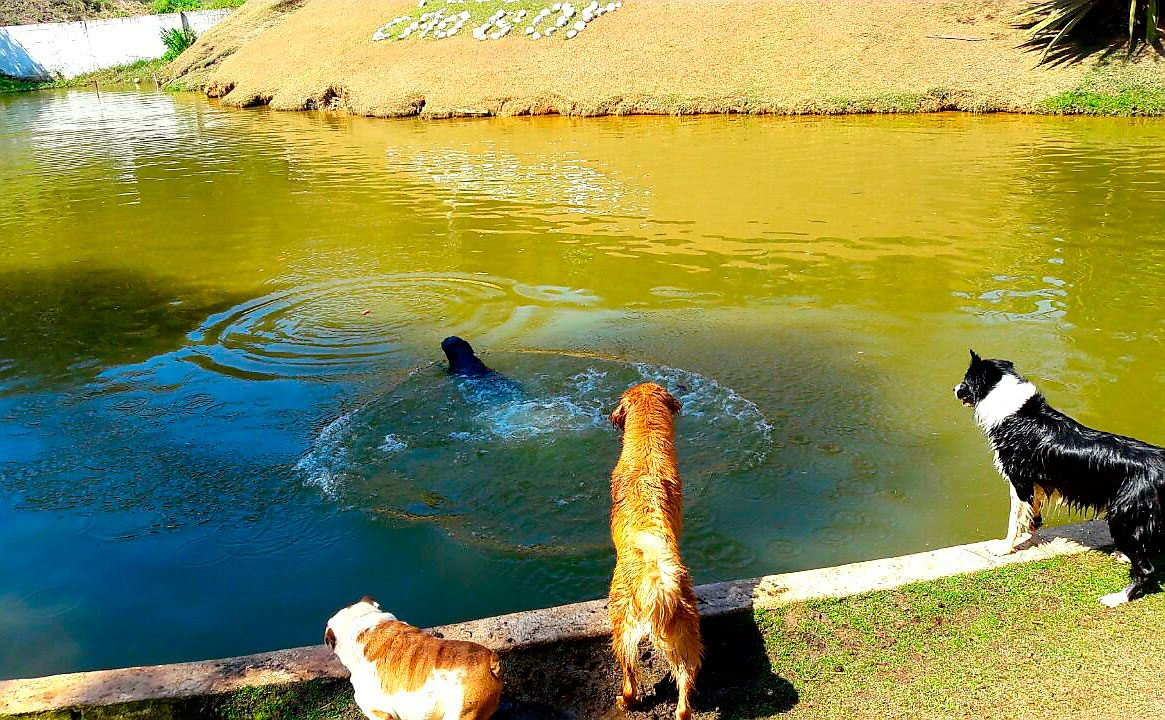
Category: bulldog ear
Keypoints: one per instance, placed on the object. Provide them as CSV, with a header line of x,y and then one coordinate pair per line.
x,y
370,600
975,358
619,415
330,638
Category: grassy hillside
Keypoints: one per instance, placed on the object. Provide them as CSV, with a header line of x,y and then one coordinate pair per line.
x,y
659,56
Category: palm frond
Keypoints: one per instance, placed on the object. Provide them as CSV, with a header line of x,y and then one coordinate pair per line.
x,y
1052,22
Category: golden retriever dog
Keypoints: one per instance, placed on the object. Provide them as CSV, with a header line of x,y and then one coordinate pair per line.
x,y
651,592
400,672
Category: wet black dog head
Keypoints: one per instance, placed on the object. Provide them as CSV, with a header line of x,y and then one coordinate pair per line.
x,y
462,361
982,376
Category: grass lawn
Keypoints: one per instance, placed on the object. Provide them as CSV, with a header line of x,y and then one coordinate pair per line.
x,y
1115,87
1027,640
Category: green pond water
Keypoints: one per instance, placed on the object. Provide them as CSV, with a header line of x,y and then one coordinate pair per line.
x,y
222,414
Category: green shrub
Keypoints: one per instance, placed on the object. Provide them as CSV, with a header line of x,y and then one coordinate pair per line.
x,y
1051,22
177,40
173,6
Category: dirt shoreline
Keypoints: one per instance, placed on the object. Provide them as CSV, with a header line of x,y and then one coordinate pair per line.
x,y
674,57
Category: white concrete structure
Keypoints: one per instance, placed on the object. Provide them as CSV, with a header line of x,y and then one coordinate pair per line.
x,y
47,50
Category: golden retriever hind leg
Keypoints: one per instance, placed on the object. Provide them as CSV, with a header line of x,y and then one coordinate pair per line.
x,y
683,650
625,644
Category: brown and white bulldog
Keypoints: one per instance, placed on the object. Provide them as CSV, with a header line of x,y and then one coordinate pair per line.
x,y
400,672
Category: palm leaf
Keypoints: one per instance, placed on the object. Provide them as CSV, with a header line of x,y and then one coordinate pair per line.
x,y
1061,11
1063,31
1050,22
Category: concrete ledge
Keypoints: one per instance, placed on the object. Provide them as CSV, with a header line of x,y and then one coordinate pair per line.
x,y
521,632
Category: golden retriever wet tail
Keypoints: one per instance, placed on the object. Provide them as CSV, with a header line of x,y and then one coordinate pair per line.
x,y
660,587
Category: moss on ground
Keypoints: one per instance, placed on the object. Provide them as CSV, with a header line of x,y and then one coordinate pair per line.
x,y
1023,640
317,700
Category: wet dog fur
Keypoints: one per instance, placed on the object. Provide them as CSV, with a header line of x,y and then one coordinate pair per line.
x,y
651,591
1045,455
462,359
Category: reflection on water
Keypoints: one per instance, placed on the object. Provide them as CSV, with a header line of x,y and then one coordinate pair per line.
x,y
220,381
562,179
341,326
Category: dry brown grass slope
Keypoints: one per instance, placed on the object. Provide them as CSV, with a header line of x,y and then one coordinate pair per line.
x,y
653,56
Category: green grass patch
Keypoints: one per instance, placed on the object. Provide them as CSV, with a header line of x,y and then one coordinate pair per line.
x,y
142,71
1115,87
998,644
173,6
1130,101
12,85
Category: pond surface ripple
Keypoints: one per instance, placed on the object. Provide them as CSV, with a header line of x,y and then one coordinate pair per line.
x,y
221,389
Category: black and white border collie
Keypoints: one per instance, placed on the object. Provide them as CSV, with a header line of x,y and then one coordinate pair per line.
x,y
1044,454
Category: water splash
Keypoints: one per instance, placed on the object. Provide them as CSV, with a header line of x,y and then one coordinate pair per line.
x,y
520,463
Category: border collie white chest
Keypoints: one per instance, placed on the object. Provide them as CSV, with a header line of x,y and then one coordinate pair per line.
x,y
1043,453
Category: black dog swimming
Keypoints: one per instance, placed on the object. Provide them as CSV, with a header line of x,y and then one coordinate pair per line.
x,y
1044,454
488,384
462,360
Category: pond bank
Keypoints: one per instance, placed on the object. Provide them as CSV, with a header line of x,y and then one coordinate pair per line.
x,y
665,57
769,630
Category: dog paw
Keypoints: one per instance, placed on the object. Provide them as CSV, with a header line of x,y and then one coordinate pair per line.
x,y
1000,548
1121,557
1114,599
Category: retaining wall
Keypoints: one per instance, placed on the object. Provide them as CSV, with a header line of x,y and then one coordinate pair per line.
x,y
554,658
48,50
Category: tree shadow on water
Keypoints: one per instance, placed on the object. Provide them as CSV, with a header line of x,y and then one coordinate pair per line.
x,y
64,325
